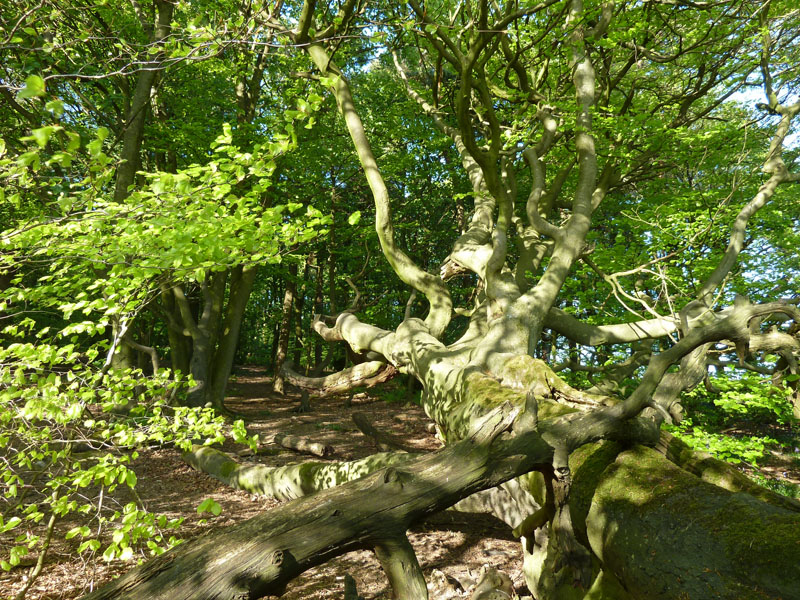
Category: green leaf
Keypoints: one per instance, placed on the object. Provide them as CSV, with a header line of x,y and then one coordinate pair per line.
x,y
110,553
56,107
209,505
354,218
89,544
74,141
126,554
42,135
34,86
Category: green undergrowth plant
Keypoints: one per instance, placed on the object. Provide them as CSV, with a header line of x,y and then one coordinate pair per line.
x,y
739,420
778,485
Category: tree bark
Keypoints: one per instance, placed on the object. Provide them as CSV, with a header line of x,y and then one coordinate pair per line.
x,y
134,125
366,375
283,331
260,556
241,286
623,504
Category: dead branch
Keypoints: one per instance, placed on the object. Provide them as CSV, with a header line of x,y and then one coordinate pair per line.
x,y
300,444
384,441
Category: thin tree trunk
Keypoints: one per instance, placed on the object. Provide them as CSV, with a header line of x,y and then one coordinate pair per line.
x,y
318,310
299,305
331,252
179,341
132,132
213,289
240,288
285,326
134,125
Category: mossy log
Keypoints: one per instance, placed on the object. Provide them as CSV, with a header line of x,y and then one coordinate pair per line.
x,y
666,535
291,481
258,557
655,530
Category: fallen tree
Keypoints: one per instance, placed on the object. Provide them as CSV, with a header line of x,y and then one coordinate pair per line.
x,y
620,501
601,514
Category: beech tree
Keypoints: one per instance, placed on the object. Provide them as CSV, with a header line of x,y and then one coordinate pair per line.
x,y
624,191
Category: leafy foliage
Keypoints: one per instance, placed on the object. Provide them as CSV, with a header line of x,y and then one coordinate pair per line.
x,y
81,265
741,405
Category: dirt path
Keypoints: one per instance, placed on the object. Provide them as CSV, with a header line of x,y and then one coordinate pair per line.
x,y
455,544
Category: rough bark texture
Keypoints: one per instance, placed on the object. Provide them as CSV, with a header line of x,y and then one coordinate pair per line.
x,y
282,340
301,444
621,502
260,556
241,286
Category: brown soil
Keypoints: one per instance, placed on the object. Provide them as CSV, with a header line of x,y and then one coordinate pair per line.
x,y
455,544
449,545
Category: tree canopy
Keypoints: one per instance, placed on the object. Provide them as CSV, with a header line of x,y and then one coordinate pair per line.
x,y
568,215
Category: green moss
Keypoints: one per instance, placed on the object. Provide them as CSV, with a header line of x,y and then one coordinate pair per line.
x,y
486,392
606,587
549,409
227,469
689,536
588,465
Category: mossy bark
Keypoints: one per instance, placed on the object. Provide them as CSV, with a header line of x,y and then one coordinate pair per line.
x,y
258,557
667,535
291,481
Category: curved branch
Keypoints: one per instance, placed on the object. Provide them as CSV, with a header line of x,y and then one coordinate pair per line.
x,y
619,333
532,208
730,324
149,350
366,374
779,174
433,287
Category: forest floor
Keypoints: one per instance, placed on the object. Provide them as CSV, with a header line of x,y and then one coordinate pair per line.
x,y
450,545
456,544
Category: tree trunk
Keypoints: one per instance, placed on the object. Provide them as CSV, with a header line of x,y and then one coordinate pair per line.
x,y
317,310
258,557
241,285
180,346
123,357
283,331
135,120
203,331
623,505
299,305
